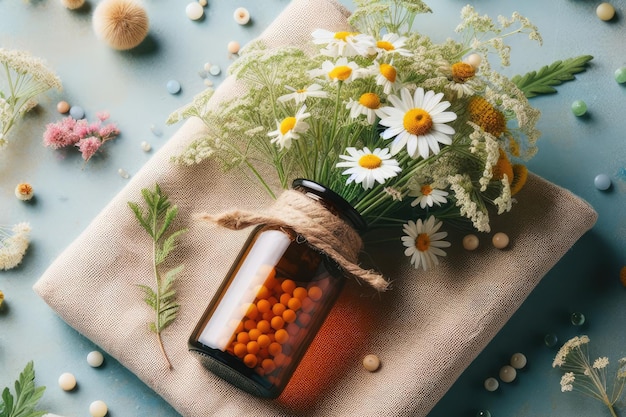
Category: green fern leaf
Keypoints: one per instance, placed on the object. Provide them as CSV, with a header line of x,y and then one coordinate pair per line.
x,y
543,81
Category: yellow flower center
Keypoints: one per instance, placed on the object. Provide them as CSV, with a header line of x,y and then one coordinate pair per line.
x,y
370,161
342,35
462,72
426,189
370,100
417,122
503,166
422,242
486,116
387,46
341,73
302,90
388,72
287,124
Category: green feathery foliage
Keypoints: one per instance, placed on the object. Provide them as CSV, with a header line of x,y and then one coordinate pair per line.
x,y
156,220
27,396
544,80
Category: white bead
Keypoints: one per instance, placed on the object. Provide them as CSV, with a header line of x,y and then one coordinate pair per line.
x,y
122,173
233,47
491,384
95,359
67,381
241,15
145,146
215,70
155,130
98,409
474,60
194,10
371,362
202,3
507,373
518,360
470,242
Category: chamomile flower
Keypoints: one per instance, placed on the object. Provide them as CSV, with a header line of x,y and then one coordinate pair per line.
x,y
299,96
392,43
417,122
343,43
341,70
462,79
423,242
368,167
367,105
426,195
386,76
289,129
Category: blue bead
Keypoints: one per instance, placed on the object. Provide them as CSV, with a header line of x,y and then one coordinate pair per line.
x,y
577,319
550,340
602,182
173,87
77,112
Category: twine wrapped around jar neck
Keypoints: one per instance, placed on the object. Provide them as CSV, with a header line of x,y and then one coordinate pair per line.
x,y
322,229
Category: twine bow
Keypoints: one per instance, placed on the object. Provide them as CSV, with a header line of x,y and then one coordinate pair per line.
x,y
324,231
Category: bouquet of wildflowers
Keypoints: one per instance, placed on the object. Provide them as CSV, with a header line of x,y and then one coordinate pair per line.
x,y
410,132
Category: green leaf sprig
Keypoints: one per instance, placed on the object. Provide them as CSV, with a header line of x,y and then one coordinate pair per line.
x,y
27,396
156,220
544,80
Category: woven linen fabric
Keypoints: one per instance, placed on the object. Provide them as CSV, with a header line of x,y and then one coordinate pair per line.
x,y
426,330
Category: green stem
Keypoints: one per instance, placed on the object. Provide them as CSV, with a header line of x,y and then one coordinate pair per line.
x,y
157,321
612,410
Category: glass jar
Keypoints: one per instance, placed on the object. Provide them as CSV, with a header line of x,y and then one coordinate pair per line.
x,y
271,303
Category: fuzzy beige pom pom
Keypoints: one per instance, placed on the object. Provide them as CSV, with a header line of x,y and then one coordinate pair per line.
x,y
122,24
73,4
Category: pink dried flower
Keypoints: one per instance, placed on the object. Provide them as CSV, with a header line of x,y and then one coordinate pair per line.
x,y
102,115
55,136
89,146
108,132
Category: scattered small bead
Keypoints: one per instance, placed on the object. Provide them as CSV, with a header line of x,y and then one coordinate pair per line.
x,y
203,3
470,242
233,47
1,298
122,173
95,359
620,75
605,11
63,107
67,381
207,66
73,4
550,340
156,131
518,360
77,112
577,318
474,60
241,15
208,83
622,276
215,70
194,10
491,384
507,373
24,191
146,146
500,240
483,413
602,182
371,362
98,409
173,87
579,108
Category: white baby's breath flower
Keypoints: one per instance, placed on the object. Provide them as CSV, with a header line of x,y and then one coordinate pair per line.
x,y
13,245
417,121
343,43
300,96
368,105
426,195
504,202
462,188
289,129
423,242
368,167
341,70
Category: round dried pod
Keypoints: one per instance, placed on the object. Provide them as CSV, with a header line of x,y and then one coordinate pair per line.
x,y
122,24
73,4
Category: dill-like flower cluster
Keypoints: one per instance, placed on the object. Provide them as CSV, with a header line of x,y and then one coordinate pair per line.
x,y
22,79
14,242
400,126
589,378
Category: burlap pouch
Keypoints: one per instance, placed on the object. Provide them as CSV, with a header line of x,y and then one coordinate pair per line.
x,y
426,330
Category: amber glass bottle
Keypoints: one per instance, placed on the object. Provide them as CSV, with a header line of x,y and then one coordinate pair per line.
x,y
271,304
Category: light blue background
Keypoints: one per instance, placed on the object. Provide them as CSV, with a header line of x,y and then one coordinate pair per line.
x,y
131,86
